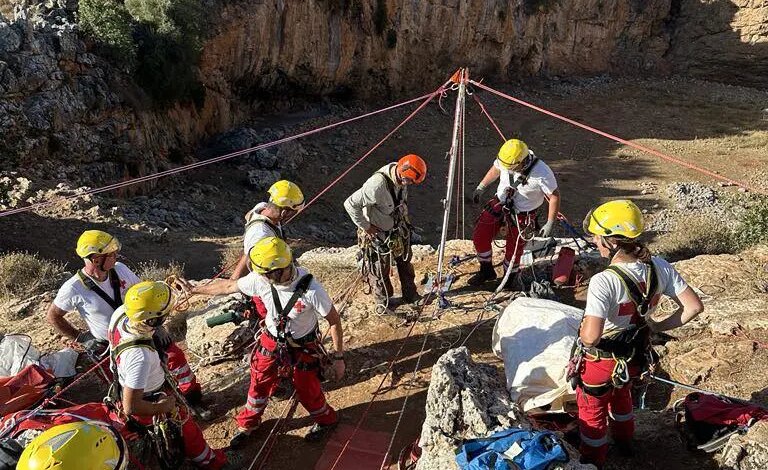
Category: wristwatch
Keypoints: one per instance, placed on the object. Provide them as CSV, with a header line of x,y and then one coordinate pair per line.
x,y
337,356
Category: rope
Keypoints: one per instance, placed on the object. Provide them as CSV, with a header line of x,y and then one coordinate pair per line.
x,y
405,401
45,402
375,394
482,108
640,147
427,99
210,161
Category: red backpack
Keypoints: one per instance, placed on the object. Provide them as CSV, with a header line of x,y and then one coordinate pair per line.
x,y
706,422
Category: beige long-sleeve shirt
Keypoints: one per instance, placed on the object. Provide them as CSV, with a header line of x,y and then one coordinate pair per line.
x,y
373,204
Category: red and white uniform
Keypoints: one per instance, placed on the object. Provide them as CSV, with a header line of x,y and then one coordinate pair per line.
x,y
527,197
140,368
95,311
607,298
302,321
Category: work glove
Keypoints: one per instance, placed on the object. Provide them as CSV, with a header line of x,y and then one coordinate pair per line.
x,y
93,346
477,194
161,337
546,230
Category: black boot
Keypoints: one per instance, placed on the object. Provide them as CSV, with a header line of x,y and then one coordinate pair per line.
x,y
486,273
319,431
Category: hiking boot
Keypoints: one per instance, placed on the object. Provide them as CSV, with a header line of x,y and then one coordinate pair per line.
x,y
202,412
195,401
319,431
284,390
485,274
239,439
412,299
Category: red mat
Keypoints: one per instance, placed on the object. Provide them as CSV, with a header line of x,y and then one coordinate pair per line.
x,y
364,452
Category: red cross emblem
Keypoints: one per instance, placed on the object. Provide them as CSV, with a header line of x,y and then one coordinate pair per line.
x,y
122,284
299,306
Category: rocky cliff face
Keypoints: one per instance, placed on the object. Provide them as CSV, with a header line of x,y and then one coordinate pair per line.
x,y
60,102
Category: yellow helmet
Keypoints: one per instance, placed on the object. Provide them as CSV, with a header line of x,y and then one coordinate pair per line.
x,y
269,254
147,300
619,218
82,445
512,152
286,194
96,242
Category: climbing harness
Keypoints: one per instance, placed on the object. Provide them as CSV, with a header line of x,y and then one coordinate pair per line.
x,y
114,281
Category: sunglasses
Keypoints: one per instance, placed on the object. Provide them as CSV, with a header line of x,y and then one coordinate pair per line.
x,y
155,322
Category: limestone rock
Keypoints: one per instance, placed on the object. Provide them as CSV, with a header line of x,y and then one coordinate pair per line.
x,y
211,342
747,452
467,400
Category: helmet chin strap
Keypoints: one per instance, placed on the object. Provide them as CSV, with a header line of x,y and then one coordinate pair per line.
x,y
612,250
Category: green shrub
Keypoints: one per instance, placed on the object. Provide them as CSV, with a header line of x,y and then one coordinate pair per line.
x,y
158,41
753,227
109,22
23,275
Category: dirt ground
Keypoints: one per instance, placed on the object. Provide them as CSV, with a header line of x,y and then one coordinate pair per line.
x,y
722,128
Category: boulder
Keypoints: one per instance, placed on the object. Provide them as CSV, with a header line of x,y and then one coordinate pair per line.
x,y
210,343
467,400
746,452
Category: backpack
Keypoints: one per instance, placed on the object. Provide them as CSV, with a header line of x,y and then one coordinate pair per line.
x,y
706,422
513,448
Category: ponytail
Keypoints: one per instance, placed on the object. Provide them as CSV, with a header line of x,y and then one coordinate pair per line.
x,y
634,248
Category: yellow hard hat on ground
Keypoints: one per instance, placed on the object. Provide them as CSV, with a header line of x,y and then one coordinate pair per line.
x,y
619,218
96,242
148,300
82,445
287,195
269,254
512,152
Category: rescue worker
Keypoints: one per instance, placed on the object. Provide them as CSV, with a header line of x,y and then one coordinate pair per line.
x,y
525,181
95,292
266,218
379,210
143,389
615,330
81,445
289,344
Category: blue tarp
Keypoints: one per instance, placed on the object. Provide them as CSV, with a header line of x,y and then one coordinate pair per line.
x,y
537,450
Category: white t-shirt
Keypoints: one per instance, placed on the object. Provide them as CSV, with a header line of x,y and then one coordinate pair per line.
x,y
137,368
528,196
608,298
75,296
302,319
257,230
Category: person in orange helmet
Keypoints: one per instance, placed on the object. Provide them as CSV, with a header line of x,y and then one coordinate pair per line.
x,y
379,210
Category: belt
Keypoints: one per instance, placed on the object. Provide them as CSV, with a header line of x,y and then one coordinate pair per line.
x,y
296,342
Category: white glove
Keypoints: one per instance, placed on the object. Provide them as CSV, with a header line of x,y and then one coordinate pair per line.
x,y
546,230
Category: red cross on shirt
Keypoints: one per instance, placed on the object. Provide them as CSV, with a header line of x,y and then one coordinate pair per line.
x,y
122,284
299,306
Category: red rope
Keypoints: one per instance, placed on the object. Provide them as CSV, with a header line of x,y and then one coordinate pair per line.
x,y
369,152
622,141
482,108
199,164
375,394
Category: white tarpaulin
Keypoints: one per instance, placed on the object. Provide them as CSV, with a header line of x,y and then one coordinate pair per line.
x,y
17,352
534,338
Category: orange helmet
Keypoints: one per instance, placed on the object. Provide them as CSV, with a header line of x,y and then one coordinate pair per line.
x,y
413,167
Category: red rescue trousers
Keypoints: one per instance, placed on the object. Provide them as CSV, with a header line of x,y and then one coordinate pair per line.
x,y
265,377
195,447
613,407
487,227
179,368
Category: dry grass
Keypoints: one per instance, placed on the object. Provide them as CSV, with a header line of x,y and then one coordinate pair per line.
x,y
23,275
697,235
229,258
152,270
